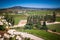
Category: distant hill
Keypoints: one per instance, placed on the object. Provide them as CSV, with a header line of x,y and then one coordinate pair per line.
x,y
20,8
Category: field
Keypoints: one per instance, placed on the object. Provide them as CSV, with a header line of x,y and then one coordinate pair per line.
x,y
54,27
40,12
51,27
58,19
18,18
22,17
42,34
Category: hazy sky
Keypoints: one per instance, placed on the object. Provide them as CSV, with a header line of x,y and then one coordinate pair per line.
x,y
30,3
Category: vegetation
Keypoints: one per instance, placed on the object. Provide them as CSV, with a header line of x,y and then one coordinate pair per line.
x,y
39,12
27,38
42,34
58,19
54,16
2,27
34,22
17,18
54,27
9,19
44,27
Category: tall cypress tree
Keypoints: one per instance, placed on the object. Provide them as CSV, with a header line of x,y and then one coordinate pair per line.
x,y
54,16
44,26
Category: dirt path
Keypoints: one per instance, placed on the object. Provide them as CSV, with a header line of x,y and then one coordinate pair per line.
x,y
53,32
52,23
22,23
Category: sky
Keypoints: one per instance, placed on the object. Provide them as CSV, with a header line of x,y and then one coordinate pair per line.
x,y
30,3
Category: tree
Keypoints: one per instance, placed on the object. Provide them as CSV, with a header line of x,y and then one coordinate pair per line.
x,y
6,17
12,21
54,16
44,27
48,18
38,25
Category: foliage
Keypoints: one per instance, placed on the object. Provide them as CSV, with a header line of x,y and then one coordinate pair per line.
x,y
44,27
43,34
2,27
27,38
38,25
54,16
28,26
58,19
9,19
54,27
48,18
34,21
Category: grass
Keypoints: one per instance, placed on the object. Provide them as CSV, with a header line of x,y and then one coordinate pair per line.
x,y
43,34
17,18
54,27
23,17
40,12
58,19
40,33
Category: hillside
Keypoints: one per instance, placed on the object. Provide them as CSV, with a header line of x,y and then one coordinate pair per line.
x,y
17,9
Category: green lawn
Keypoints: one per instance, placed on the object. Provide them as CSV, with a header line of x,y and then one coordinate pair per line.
x,y
54,27
58,19
17,18
40,12
42,34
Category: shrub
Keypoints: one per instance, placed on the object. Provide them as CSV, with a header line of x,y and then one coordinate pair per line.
x,y
27,38
54,30
2,27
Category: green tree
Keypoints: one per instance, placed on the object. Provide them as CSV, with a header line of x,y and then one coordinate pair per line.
x,y
44,27
38,25
54,16
12,21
